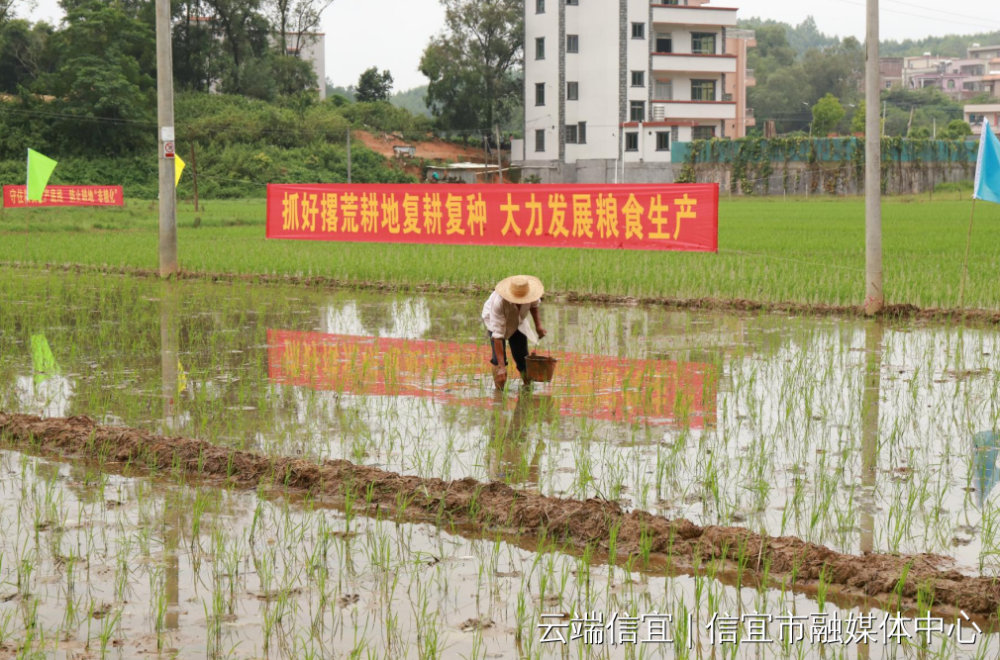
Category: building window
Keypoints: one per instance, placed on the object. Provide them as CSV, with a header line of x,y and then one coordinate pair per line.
x,y
669,2
702,90
703,132
572,43
663,141
539,93
664,90
638,30
637,111
572,91
631,142
539,6
951,84
638,78
540,48
664,43
540,140
572,2
576,133
703,43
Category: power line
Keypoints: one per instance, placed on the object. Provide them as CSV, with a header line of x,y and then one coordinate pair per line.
x,y
930,18
939,11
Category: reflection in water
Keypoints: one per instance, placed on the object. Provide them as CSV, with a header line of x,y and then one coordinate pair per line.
x,y
869,444
869,431
511,456
985,448
43,362
657,392
169,360
47,391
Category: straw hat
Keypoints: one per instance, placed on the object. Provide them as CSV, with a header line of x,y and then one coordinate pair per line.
x,y
521,289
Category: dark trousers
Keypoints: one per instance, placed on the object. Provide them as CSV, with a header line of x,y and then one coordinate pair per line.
x,y
518,349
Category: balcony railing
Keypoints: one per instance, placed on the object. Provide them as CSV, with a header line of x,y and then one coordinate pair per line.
x,y
741,34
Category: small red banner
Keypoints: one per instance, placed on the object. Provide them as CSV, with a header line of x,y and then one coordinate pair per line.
x,y
17,196
637,217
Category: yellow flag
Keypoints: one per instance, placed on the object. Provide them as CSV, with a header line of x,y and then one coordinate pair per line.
x,y
179,166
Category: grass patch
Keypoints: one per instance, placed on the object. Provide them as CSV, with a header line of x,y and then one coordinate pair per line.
x,y
797,250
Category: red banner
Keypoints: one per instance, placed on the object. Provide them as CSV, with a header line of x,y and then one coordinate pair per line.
x,y
638,217
656,392
17,196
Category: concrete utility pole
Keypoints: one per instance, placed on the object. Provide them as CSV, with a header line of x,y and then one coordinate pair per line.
x,y
165,119
496,130
348,155
874,298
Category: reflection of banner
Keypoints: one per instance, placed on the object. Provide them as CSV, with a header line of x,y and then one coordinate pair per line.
x,y
598,386
640,217
17,196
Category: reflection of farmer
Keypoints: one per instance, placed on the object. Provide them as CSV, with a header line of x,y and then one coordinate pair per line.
x,y
508,458
505,315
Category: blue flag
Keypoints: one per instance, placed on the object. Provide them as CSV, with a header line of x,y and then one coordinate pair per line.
x,y
988,167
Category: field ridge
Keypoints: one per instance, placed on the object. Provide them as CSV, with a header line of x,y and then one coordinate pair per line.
x,y
899,581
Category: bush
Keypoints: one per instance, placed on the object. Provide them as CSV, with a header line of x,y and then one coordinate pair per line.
x,y
964,185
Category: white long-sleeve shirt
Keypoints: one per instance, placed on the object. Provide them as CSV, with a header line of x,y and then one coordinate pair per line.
x,y
503,318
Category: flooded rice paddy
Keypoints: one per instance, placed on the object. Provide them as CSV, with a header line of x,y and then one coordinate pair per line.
x,y
858,436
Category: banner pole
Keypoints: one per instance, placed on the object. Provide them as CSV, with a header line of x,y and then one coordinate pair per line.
x,y
965,267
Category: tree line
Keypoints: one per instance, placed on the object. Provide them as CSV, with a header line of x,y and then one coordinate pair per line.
x,y
811,83
99,66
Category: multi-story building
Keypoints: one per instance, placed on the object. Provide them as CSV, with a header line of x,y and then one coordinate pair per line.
x,y
958,78
623,80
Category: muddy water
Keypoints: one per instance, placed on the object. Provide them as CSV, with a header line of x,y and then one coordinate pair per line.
x,y
860,437
100,565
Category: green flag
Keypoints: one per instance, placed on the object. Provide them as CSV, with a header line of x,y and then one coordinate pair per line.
x,y
39,170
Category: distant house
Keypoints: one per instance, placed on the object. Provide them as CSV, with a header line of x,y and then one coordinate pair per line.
x,y
891,71
959,78
975,114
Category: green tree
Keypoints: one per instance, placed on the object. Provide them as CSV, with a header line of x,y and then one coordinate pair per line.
x,y
471,67
827,113
105,77
374,86
957,129
837,70
783,99
858,120
245,39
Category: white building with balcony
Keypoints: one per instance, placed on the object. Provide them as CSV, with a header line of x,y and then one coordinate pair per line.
x,y
620,81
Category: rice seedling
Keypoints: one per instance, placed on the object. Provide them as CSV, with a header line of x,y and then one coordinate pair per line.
x,y
739,420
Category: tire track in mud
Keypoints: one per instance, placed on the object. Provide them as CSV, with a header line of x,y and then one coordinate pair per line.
x,y
900,311
679,544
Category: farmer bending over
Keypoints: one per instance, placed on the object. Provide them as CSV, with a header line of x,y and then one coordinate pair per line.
x,y
505,315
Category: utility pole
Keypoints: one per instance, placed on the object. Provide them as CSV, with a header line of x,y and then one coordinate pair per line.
x,y
874,297
496,130
348,155
165,119
194,177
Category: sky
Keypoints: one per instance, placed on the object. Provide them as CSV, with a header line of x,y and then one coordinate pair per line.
x,y
392,34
